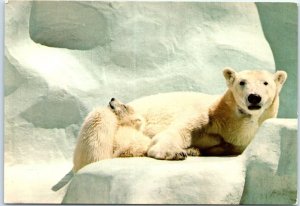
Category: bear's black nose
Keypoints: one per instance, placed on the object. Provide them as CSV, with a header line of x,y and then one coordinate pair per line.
x,y
254,98
112,99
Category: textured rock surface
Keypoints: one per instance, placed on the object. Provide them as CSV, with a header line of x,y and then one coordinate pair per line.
x,y
63,58
279,22
271,176
150,181
264,174
82,27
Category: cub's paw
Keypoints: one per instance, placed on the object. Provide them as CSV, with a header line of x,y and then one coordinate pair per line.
x,y
167,152
193,151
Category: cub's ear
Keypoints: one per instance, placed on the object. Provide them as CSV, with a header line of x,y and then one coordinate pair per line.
x,y
229,75
279,78
138,122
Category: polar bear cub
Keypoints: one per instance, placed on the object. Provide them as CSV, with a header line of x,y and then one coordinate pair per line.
x,y
129,141
107,132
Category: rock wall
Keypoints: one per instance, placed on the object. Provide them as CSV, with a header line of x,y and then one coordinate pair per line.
x,y
64,58
280,25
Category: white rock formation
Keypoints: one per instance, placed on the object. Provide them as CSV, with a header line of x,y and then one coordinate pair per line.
x,y
264,174
150,181
271,164
63,58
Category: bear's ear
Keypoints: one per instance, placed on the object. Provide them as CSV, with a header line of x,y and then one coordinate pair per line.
x,y
229,75
279,78
138,122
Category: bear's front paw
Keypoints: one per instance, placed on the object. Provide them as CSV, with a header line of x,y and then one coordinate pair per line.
x,y
167,152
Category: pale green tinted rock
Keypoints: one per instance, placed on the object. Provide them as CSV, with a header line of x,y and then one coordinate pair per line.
x,y
67,25
57,110
12,78
280,26
148,181
64,58
271,175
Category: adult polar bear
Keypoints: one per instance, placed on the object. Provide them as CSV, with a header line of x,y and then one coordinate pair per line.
x,y
218,125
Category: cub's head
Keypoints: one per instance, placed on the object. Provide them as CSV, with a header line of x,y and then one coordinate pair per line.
x,y
254,91
126,115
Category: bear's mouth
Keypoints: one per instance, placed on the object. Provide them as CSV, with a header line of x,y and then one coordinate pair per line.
x,y
254,107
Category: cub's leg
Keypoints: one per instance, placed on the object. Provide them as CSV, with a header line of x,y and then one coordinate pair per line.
x,y
130,142
193,151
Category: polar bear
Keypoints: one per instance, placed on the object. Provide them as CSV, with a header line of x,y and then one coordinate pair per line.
x,y
120,135
95,138
94,142
216,124
129,141
108,132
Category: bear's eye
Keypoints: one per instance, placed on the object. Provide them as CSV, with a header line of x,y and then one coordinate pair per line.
x,y
242,83
266,83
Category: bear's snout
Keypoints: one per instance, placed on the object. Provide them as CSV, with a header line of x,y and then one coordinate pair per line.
x,y
254,99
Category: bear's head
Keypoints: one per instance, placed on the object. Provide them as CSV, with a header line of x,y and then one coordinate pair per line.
x,y
126,115
254,90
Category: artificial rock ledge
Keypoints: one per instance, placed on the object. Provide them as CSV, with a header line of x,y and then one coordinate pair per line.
x,y
264,173
57,71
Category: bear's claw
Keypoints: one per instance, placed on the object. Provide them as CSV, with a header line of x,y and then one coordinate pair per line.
x,y
180,156
176,156
169,155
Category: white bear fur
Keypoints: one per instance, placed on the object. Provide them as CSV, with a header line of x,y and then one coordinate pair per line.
x,y
110,132
95,138
222,125
217,124
129,140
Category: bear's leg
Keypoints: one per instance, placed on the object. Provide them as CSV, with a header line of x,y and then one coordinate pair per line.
x,y
135,146
193,151
170,144
167,145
